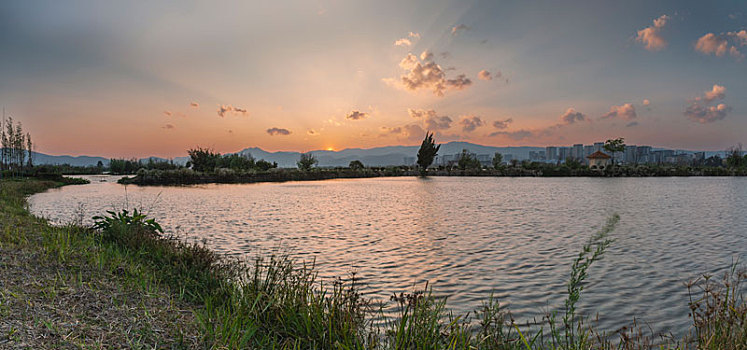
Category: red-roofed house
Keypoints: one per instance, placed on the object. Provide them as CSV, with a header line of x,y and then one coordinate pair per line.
x,y
598,160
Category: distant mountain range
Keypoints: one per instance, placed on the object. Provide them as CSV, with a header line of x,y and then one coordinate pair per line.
x,y
378,156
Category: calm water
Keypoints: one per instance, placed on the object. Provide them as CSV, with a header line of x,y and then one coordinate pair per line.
x,y
468,237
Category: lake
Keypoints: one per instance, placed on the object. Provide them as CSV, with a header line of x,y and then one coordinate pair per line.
x,y
467,236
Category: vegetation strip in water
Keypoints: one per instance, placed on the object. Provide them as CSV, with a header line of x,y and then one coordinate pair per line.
x,y
123,284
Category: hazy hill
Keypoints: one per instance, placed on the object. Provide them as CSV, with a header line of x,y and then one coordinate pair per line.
x,y
378,156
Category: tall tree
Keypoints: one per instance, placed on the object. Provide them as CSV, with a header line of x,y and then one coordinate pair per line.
x,y
20,143
497,160
734,156
468,161
613,146
29,147
306,161
426,154
3,144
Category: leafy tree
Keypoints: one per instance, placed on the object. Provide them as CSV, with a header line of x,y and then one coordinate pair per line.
x,y
264,165
203,159
734,157
124,166
426,154
614,145
573,163
306,161
497,160
356,165
236,161
468,161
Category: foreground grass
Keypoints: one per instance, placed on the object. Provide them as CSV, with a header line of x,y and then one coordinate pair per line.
x,y
62,287
124,285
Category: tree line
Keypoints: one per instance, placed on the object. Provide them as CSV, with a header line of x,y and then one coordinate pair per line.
x,y
15,146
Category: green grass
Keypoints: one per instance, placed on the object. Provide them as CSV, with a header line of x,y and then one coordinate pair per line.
x,y
126,285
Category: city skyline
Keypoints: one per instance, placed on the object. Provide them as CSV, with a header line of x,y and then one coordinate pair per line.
x,y
299,76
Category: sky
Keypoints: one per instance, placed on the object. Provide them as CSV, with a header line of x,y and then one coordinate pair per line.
x,y
135,79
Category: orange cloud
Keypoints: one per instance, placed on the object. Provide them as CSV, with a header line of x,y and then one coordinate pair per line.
x,y
626,111
702,112
722,44
651,36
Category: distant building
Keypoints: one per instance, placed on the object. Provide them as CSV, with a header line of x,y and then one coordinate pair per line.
x,y
551,153
598,160
578,152
588,149
598,146
411,161
630,155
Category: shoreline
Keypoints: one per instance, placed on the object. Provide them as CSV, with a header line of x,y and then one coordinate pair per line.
x,y
229,176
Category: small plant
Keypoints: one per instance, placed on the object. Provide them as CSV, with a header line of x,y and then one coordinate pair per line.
x,y
124,218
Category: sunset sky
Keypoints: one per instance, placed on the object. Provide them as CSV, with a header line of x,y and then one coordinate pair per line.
x,y
136,79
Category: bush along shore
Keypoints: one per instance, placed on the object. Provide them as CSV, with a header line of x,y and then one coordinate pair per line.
x,y
185,176
124,284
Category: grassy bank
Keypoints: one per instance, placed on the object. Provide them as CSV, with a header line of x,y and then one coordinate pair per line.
x,y
125,285
186,176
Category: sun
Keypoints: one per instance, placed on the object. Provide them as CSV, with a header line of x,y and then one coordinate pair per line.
x,y
330,149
